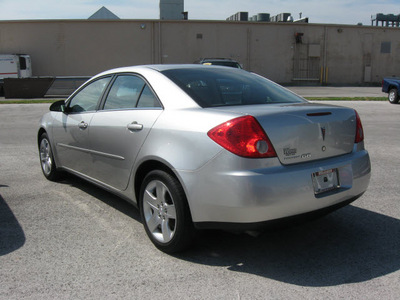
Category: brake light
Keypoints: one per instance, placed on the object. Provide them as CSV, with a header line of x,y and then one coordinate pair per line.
x,y
359,130
244,137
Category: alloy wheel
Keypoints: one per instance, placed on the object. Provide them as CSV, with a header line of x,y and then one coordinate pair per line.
x,y
159,211
45,156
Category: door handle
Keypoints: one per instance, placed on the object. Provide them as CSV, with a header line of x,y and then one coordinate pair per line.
x,y
83,125
134,126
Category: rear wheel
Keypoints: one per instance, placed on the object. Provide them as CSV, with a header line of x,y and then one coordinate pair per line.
x,y
47,162
393,96
165,212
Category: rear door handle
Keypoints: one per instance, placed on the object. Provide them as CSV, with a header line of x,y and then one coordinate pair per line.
x,y
134,126
83,125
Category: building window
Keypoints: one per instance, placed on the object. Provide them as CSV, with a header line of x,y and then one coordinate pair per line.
x,y
386,47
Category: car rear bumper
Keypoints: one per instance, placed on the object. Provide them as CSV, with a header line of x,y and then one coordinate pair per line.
x,y
276,223
247,194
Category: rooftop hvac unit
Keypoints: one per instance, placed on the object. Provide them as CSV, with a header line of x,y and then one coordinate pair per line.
x,y
283,17
263,17
242,16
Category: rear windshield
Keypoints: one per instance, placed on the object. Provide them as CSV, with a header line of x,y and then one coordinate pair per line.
x,y
211,87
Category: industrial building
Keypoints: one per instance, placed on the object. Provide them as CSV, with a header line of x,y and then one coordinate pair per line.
x,y
286,52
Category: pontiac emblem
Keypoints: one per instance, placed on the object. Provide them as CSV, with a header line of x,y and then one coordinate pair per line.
x,y
289,151
323,130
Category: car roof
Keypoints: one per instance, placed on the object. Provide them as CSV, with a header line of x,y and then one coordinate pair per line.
x,y
157,67
175,66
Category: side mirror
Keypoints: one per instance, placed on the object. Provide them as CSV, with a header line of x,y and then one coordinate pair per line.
x,y
58,106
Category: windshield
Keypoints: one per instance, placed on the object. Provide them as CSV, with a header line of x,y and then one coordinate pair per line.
x,y
211,87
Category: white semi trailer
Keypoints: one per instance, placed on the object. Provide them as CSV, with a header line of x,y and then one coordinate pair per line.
x,y
14,66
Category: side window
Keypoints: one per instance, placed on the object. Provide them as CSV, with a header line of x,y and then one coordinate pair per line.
x,y
124,92
22,63
147,99
87,98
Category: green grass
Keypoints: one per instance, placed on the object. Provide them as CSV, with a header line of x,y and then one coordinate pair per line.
x,y
347,98
28,101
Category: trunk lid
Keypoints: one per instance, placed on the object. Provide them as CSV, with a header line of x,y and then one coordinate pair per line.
x,y
306,131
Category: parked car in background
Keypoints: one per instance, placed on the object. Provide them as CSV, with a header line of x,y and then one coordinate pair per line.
x,y
197,146
392,87
226,62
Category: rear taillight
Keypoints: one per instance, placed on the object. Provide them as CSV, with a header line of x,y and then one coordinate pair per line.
x,y
359,130
243,136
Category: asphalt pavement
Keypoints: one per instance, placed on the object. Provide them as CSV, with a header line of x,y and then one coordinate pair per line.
x,y
72,240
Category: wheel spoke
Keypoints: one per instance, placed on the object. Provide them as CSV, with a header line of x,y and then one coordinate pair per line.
x,y
46,167
43,157
166,231
153,223
151,200
161,191
171,212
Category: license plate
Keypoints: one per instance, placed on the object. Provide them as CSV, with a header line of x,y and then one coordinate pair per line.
x,y
325,181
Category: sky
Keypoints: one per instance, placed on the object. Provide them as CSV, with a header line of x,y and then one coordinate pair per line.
x,y
318,11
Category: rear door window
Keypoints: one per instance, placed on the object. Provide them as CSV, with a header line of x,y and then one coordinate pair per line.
x,y
148,99
124,92
128,92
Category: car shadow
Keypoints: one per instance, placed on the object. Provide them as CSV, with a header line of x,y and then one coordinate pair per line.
x,y
351,245
348,246
108,198
12,236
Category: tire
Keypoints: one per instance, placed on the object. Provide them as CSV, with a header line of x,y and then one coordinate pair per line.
x,y
47,162
393,96
165,213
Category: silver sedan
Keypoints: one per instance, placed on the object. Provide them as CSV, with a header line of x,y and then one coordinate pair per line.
x,y
197,146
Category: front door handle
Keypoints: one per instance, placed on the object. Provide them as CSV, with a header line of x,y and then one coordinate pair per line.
x,y
134,126
83,125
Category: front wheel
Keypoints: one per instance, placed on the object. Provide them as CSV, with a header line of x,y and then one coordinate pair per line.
x,y
393,96
47,162
165,212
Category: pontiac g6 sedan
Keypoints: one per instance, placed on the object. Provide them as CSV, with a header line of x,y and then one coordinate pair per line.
x,y
197,146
